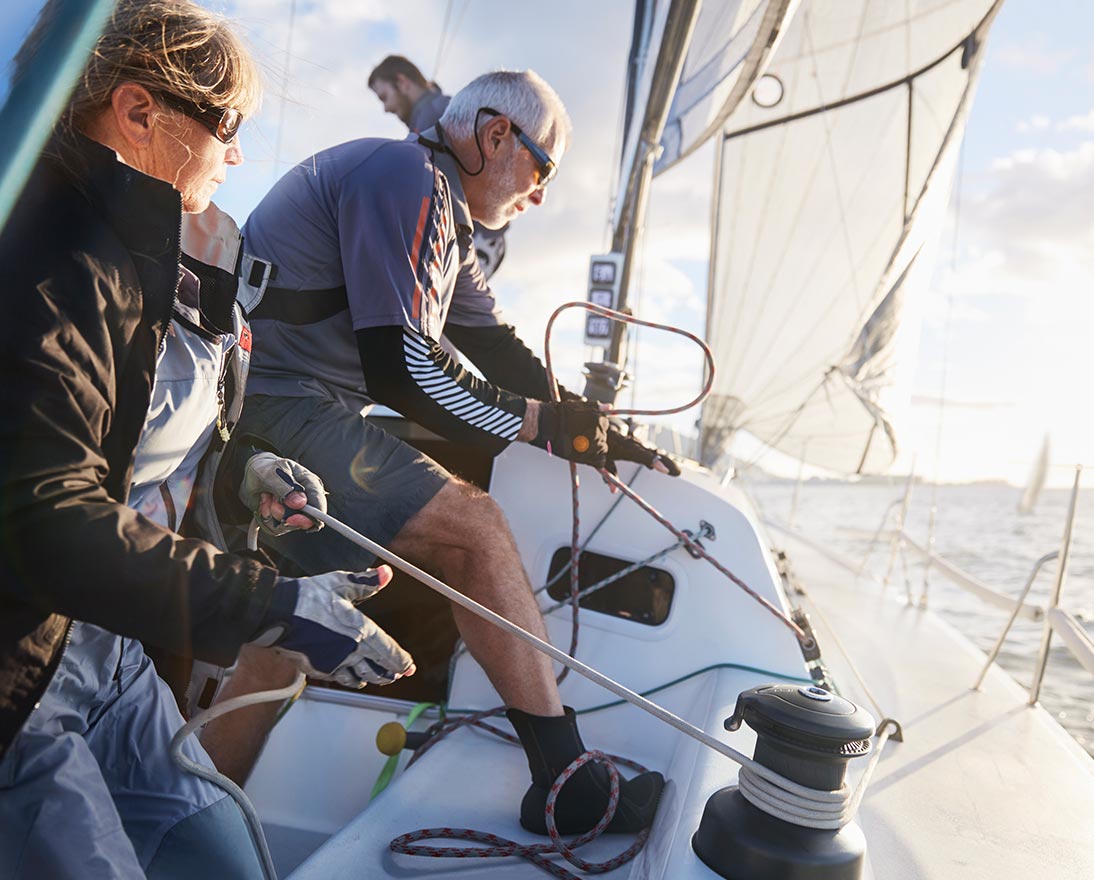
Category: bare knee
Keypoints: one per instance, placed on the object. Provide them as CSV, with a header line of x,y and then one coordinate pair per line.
x,y
459,521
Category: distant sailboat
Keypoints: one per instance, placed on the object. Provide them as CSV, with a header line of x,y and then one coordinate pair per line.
x,y
1036,481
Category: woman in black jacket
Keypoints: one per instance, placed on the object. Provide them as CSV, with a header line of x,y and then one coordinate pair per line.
x,y
91,269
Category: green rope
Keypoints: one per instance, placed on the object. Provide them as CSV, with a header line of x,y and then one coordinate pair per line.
x,y
388,771
673,683
684,678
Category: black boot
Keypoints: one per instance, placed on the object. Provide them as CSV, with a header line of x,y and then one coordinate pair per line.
x,y
552,743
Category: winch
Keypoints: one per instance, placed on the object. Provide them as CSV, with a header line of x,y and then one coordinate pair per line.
x,y
807,735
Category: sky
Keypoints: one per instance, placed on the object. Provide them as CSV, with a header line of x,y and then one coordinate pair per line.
x,y
1005,341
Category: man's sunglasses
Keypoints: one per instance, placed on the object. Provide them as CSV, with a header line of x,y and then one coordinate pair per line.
x,y
547,167
222,124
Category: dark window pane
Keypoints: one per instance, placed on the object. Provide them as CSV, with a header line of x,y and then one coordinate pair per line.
x,y
643,595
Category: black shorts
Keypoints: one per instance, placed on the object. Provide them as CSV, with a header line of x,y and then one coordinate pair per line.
x,y
375,482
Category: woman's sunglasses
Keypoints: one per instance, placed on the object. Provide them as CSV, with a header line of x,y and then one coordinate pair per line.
x,y
222,124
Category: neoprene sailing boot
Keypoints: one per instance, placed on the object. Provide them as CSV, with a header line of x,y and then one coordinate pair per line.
x,y
553,742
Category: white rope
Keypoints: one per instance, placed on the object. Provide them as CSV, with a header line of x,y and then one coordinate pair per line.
x,y
220,780
825,809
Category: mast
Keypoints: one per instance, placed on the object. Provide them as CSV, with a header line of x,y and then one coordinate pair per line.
x,y
604,379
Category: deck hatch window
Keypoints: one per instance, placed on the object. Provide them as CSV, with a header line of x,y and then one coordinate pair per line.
x,y
643,595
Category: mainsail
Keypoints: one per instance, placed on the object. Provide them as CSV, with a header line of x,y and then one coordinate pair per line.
x,y
832,180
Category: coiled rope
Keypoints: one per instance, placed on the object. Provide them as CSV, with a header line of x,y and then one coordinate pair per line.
x,y
499,847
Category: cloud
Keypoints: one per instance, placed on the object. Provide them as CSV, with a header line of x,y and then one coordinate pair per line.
x,y
1037,122
1081,122
1036,55
1032,227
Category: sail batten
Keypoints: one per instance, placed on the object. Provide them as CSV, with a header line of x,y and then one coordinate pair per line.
x,y
834,193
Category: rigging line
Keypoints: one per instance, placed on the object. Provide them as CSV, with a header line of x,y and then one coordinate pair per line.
x,y
441,40
944,377
615,504
611,479
632,355
842,649
456,27
284,89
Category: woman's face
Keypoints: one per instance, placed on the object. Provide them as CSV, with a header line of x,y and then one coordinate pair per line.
x,y
189,157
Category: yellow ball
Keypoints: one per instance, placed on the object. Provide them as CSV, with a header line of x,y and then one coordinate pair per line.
x,y
391,738
581,443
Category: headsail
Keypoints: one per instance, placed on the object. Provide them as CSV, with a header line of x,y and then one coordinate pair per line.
x,y
733,43
832,179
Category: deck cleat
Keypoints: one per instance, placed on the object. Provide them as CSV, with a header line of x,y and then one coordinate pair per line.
x,y
807,735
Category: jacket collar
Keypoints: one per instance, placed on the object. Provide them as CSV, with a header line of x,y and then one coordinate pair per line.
x,y
146,213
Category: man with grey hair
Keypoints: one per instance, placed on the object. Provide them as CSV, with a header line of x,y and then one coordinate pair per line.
x,y
404,91
372,244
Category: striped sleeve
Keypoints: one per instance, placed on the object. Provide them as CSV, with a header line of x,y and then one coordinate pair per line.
x,y
448,393
415,376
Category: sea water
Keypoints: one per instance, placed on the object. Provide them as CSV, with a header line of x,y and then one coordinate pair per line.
x,y
978,529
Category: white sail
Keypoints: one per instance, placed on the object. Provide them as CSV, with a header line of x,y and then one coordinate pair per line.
x,y
1036,480
832,180
733,42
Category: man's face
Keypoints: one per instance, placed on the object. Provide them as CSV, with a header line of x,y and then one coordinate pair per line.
x,y
394,99
513,184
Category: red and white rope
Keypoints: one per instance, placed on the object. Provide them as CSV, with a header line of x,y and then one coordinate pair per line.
x,y
537,853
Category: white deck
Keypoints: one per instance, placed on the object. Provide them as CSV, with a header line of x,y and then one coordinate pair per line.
x,y
983,787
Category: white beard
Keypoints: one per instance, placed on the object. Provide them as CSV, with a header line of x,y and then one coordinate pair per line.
x,y
500,201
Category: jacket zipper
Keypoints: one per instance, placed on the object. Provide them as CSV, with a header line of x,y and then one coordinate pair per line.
x,y
165,324
56,667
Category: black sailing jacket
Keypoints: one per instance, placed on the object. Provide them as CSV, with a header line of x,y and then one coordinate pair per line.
x,y
88,272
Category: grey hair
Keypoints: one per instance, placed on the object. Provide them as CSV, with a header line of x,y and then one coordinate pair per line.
x,y
523,96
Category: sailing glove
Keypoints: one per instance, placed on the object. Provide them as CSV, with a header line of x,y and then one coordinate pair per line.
x,y
575,430
624,448
271,475
314,623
